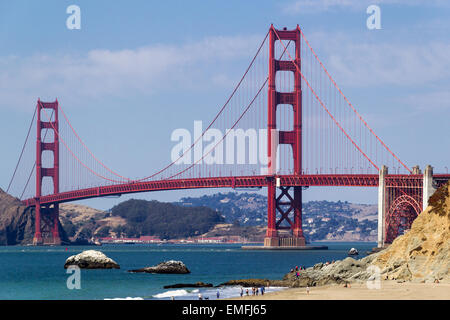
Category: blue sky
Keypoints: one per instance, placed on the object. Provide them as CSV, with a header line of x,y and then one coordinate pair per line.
x,y
119,79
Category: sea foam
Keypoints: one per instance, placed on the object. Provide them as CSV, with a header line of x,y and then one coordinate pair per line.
x,y
127,298
172,293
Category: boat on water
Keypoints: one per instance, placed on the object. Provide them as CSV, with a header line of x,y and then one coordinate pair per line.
x,y
353,252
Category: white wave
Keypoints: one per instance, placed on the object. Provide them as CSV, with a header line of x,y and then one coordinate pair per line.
x,y
209,293
127,298
173,293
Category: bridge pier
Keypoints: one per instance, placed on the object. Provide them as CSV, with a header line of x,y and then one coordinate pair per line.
x,y
37,239
288,205
46,225
382,206
428,188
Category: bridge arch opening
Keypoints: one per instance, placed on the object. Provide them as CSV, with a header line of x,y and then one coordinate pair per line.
x,y
400,217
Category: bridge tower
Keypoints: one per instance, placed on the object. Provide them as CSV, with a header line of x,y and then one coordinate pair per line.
x,y
287,206
47,216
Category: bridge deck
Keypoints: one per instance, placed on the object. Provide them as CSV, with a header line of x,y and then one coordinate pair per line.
x,y
346,180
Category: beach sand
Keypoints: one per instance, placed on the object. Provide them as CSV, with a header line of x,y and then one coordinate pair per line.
x,y
390,290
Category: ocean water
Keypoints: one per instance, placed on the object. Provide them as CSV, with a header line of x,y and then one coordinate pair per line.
x,y
38,272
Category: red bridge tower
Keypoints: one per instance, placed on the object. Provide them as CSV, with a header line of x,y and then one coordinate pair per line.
x,y
286,204
47,216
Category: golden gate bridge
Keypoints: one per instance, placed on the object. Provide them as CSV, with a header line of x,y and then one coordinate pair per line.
x,y
314,136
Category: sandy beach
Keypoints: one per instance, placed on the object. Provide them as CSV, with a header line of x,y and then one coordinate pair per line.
x,y
390,290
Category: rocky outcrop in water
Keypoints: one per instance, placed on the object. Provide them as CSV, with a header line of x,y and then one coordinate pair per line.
x,y
17,222
171,266
91,259
189,285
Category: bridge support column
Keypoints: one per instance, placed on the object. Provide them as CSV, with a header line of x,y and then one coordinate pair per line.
x,y
428,188
47,216
288,207
382,206
271,239
37,239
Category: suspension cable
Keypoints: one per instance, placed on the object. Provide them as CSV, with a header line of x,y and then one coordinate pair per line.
x,y
23,149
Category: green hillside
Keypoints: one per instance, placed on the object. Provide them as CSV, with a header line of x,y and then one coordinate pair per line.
x,y
165,220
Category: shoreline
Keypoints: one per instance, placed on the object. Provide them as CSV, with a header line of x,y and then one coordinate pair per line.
x,y
390,290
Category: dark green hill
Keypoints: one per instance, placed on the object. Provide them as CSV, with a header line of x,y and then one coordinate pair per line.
x,y
165,220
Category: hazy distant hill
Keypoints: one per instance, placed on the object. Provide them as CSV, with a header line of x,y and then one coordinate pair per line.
x,y
322,220
234,213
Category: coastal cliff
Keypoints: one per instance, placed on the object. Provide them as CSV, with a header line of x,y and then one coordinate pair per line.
x,y
423,253
17,222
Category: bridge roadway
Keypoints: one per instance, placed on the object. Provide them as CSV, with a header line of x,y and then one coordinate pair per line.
x,y
344,180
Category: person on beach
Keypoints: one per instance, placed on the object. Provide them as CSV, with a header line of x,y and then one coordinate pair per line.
x,y
218,294
200,297
246,291
307,290
242,292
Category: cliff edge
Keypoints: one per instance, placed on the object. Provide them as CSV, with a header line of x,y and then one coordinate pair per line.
x,y
17,222
423,253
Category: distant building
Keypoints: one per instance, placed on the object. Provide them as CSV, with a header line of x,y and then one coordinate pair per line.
x,y
210,240
141,239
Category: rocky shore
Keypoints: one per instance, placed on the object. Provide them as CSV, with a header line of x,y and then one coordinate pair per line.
x,y
420,255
